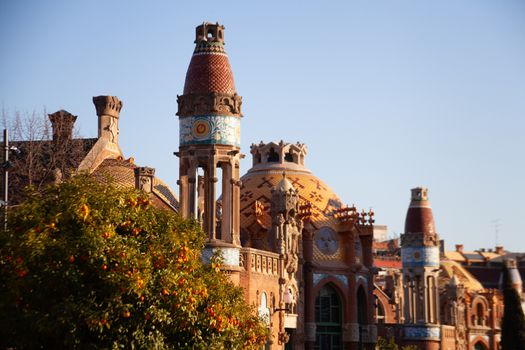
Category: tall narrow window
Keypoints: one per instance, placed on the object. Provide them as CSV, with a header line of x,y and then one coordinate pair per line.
x,y
328,318
362,312
480,315
380,311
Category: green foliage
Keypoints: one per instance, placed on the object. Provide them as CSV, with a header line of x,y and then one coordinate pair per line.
x,y
383,344
84,265
513,322
390,344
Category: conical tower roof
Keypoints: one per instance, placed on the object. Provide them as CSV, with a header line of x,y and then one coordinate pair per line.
x,y
419,217
209,70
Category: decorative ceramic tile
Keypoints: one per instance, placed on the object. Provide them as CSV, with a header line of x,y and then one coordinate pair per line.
x,y
209,72
420,256
230,256
318,277
257,186
361,279
222,130
422,332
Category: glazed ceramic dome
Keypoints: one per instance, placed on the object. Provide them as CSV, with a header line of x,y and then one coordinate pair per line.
x,y
270,161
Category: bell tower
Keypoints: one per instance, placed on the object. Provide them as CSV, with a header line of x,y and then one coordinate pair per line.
x,y
420,257
209,114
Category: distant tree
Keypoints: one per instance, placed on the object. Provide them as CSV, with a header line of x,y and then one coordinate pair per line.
x,y
39,160
84,265
513,322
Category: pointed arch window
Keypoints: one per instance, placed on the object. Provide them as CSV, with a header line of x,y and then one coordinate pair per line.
x,y
328,319
480,346
480,314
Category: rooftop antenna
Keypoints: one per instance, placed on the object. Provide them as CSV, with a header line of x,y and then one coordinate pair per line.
x,y
496,225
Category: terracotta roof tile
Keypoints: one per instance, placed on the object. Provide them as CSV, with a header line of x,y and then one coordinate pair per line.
x,y
121,173
450,268
209,72
456,256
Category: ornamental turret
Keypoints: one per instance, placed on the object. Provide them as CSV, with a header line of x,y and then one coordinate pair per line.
x,y
286,232
209,145
420,257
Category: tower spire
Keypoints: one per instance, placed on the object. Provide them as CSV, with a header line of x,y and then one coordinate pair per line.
x,y
209,143
420,257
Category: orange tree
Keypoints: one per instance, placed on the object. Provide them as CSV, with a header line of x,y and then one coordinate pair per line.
x,y
85,265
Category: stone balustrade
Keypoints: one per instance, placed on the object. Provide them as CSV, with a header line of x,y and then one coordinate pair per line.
x,y
260,261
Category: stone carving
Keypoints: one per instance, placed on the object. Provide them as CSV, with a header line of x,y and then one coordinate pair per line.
x,y
107,105
212,103
285,152
366,218
326,240
287,236
144,178
347,214
417,239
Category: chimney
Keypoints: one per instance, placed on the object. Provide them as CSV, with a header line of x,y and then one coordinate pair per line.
x,y
62,123
442,248
459,248
144,179
108,110
499,250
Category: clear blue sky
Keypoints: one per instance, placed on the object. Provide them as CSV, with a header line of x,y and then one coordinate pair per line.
x,y
387,95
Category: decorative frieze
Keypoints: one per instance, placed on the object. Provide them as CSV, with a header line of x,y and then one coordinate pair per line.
x,y
206,104
419,239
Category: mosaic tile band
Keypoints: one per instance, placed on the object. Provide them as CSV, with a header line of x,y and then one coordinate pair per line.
x,y
221,130
318,277
422,332
230,256
420,256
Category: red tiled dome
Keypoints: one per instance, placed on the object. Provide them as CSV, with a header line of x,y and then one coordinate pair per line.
x,y
419,215
209,72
